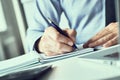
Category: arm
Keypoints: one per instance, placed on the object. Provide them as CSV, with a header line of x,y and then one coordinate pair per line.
x,y
48,39
38,24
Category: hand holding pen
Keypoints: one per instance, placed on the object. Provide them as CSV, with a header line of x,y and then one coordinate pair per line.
x,y
53,24
54,43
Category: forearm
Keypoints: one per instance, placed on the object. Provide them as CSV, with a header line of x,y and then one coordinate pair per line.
x,y
38,24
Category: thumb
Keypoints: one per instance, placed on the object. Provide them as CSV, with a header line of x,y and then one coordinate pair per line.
x,y
71,33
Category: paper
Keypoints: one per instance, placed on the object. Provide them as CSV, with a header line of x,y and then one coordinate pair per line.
x,y
45,58
32,59
18,62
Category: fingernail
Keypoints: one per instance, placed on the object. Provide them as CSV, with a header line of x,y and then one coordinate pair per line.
x,y
70,43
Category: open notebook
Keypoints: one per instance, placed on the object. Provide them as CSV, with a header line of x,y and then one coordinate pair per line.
x,y
32,59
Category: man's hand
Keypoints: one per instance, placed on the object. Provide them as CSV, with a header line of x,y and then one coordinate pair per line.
x,y
106,37
54,43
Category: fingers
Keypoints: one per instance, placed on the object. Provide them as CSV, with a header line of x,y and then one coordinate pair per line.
x,y
104,36
60,49
63,48
113,27
111,42
99,35
54,43
102,40
71,33
56,36
97,39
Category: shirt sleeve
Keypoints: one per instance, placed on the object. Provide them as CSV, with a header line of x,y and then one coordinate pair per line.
x,y
44,9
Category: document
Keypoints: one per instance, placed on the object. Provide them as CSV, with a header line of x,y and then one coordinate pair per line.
x,y
45,59
18,63
33,59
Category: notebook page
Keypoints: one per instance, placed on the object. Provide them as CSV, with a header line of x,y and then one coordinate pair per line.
x,y
18,62
45,58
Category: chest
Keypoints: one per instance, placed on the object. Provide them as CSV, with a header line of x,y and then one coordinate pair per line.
x,y
76,8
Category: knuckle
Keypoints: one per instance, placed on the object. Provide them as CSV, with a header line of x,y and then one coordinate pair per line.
x,y
113,35
110,42
48,29
103,39
97,42
73,31
59,46
57,36
112,23
111,26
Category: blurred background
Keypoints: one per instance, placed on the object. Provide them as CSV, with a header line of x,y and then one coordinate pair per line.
x,y
15,17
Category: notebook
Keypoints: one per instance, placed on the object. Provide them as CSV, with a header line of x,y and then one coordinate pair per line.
x,y
31,59
29,74
45,59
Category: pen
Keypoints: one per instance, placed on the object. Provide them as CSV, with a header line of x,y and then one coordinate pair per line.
x,y
53,24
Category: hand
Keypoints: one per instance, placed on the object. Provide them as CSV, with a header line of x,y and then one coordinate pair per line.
x,y
106,37
54,43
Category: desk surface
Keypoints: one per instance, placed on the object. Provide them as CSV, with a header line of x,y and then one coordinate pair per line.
x,y
79,69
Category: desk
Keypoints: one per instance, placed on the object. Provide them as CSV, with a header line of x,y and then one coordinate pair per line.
x,y
79,69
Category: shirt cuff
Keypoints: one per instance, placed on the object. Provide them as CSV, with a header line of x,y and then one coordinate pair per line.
x,y
36,45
